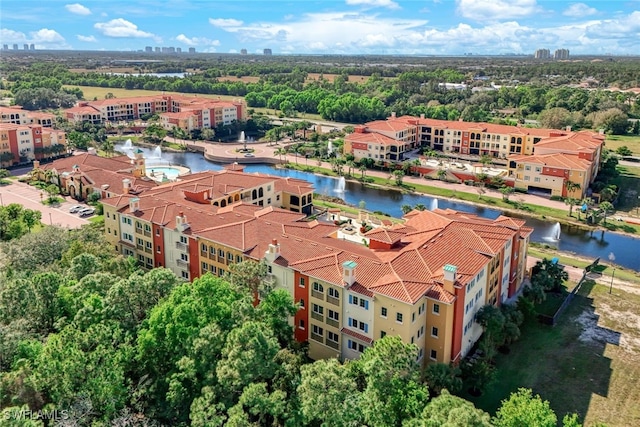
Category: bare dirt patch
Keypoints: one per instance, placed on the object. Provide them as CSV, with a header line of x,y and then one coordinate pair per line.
x,y
593,332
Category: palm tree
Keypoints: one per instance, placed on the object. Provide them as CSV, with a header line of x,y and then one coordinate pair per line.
x,y
420,207
506,192
406,209
571,187
606,207
363,169
571,202
442,174
280,152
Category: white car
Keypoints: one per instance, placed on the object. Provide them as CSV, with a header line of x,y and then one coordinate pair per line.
x,y
249,155
76,208
86,212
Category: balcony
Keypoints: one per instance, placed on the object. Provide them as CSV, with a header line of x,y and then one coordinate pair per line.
x,y
182,263
316,337
182,246
316,294
317,316
332,344
147,233
148,250
333,300
332,322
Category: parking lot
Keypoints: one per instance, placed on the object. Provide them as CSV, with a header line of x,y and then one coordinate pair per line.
x,y
29,197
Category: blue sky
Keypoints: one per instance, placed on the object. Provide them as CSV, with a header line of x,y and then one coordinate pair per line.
x,y
438,27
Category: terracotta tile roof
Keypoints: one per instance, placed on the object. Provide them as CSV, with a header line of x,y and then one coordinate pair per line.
x,y
372,138
179,115
356,335
555,160
385,235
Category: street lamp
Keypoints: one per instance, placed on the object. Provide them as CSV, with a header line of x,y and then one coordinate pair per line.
x,y
612,258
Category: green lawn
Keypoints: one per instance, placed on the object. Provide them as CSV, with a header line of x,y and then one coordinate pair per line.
x,y
597,380
632,142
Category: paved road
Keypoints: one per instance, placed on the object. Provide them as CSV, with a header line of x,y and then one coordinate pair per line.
x,y
29,197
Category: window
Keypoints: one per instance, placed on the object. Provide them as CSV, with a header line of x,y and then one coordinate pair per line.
x,y
333,315
203,247
184,257
183,240
382,334
436,308
301,324
205,266
269,269
318,330
364,304
359,301
413,317
238,258
318,287
333,293
318,309
399,317
383,312
301,303
220,253
185,274
331,336
434,332
301,283
355,346
229,256
434,355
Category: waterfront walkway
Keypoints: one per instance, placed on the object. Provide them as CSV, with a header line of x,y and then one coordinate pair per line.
x,y
265,153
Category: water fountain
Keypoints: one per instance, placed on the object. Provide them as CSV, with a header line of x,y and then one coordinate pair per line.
x,y
434,204
127,145
243,139
554,234
340,186
157,153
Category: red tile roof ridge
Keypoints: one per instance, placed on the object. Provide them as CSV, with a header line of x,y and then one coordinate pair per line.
x,y
356,335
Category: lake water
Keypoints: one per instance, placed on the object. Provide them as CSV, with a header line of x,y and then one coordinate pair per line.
x,y
586,243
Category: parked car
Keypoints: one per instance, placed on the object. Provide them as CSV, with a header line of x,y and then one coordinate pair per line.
x,y
86,212
249,155
76,208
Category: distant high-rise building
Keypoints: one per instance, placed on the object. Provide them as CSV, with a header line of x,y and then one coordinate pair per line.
x,y
165,50
26,46
267,52
157,49
243,51
561,54
179,50
5,47
171,49
148,49
192,50
15,46
32,46
542,54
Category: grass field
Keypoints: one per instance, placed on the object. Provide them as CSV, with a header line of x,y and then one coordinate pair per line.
x,y
589,363
613,142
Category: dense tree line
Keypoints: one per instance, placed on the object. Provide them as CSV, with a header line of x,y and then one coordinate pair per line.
x,y
415,91
89,333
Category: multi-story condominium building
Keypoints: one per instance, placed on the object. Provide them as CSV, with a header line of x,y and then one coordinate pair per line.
x,y
25,142
561,54
389,140
16,115
182,111
422,280
542,54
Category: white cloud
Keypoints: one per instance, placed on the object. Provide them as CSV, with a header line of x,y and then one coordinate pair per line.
x,y
78,9
374,3
496,10
88,39
224,23
197,41
46,35
44,38
579,10
121,28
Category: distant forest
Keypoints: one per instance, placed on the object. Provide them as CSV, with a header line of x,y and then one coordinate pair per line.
x,y
502,90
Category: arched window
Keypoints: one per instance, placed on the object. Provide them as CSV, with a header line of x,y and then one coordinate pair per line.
x,y
229,199
223,203
254,194
216,203
260,192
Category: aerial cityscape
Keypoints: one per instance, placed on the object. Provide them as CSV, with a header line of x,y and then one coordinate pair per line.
x,y
354,213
